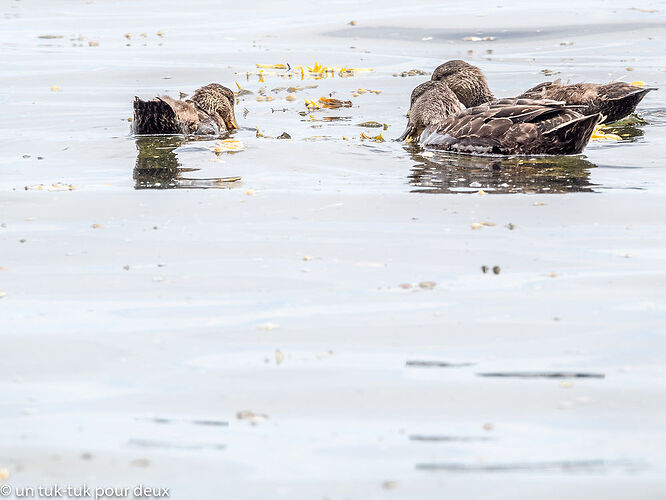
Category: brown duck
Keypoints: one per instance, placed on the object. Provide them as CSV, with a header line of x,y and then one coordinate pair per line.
x,y
500,127
210,111
613,100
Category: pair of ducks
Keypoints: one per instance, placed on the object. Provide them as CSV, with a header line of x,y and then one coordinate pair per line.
x,y
550,118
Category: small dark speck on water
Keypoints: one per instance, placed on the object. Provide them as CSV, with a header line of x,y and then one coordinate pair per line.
x,y
496,269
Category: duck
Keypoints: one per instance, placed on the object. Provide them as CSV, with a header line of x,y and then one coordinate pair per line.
x,y
507,127
614,100
210,112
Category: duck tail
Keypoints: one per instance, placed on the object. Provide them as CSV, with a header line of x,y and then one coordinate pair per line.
x,y
570,138
154,117
622,106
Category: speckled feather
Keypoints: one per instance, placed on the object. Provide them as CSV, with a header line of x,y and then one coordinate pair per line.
x,y
614,100
430,103
512,127
207,113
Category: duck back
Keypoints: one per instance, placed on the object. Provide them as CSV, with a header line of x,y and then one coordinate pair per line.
x,y
167,116
513,127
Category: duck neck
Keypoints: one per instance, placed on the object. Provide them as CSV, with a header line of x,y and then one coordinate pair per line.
x,y
481,96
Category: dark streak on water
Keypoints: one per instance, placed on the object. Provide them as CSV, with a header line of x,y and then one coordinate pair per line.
x,y
448,439
542,375
153,443
436,364
555,466
513,34
162,420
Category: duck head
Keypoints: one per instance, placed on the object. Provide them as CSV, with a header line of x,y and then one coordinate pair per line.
x,y
431,103
218,101
465,80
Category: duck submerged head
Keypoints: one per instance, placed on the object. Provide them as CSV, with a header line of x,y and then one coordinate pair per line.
x,y
218,101
431,103
466,81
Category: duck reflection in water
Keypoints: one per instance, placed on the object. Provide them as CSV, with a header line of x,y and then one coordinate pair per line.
x,y
157,166
452,173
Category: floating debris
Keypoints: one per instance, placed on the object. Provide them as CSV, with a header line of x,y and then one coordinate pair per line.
x,y
253,418
58,186
427,285
97,226
55,88
284,135
372,125
368,91
274,66
479,225
330,103
228,146
242,91
411,72
599,135
291,90
316,71
479,38
377,138
278,356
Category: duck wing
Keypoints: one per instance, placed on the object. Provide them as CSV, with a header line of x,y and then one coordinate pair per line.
x,y
513,127
614,100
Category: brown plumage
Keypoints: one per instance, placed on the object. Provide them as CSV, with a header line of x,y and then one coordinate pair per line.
x,y
613,100
210,111
502,127
430,103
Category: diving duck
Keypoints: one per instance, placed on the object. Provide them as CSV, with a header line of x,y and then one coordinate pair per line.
x,y
613,100
500,127
210,111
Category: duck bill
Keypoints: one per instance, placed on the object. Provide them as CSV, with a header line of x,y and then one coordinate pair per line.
x,y
231,123
409,134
